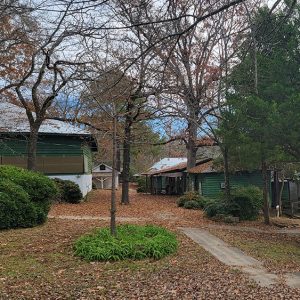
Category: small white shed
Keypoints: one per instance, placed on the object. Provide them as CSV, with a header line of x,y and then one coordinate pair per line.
x,y
102,177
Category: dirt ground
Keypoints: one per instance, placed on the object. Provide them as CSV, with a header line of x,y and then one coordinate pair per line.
x,y
38,263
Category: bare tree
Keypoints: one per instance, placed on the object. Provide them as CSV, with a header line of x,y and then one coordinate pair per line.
x,y
53,61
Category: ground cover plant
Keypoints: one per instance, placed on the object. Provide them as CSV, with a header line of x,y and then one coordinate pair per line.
x,y
245,203
132,242
68,191
192,200
24,197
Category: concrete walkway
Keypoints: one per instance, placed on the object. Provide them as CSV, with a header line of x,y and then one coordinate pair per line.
x,y
234,257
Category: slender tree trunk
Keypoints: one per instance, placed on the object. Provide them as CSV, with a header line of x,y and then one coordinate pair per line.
x,y
113,210
265,176
191,145
118,155
280,196
126,161
32,148
226,173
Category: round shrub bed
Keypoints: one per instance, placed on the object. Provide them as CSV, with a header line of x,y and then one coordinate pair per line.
x,y
132,242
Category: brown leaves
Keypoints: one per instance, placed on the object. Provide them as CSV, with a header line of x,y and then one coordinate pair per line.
x,y
38,263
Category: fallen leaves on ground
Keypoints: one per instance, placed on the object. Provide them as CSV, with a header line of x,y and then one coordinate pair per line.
x,y
38,263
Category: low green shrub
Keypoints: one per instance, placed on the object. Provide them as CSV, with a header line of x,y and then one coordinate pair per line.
x,y
26,196
141,182
16,209
245,204
132,242
249,200
8,208
188,196
68,190
39,187
192,200
192,205
216,207
94,186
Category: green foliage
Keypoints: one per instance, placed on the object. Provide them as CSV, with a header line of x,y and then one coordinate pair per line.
x,y
132,242
141,181
94,187
215,207
245,203
249,200
39,187
192,200
16,209
69,191
192,204
25,197
263,124
188,196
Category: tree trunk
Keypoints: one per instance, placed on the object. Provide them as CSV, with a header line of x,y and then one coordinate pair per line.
x,y
113,210
280,196
226,173
32,148
265,176
126,161
118,155
191,147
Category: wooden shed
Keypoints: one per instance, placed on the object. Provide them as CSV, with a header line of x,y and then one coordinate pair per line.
x,y
102,177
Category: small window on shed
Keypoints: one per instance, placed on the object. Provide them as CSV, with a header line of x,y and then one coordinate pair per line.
x,y
102,167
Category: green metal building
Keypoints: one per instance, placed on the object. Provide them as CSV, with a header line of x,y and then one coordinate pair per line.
x,y
63,150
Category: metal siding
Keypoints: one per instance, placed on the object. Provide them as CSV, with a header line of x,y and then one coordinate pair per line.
x,y
47,146
211,183
88,159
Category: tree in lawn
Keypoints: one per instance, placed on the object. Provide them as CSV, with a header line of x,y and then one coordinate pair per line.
x,y
254,125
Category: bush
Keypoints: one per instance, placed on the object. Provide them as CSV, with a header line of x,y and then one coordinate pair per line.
x,y
189,199
189,196
69,191
249,200
25,197
245,204
16,209
39,187
141,182
192,205
132,242
214,208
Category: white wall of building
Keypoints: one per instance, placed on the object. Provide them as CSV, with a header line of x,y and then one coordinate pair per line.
x,y
83,180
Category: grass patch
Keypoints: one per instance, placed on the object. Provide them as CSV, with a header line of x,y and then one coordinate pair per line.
x,y
132,242
284,252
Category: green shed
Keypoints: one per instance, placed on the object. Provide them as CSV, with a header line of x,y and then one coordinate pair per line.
x,y
63,150
210,182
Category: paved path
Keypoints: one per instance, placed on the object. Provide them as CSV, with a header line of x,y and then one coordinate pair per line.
x,y
234,257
